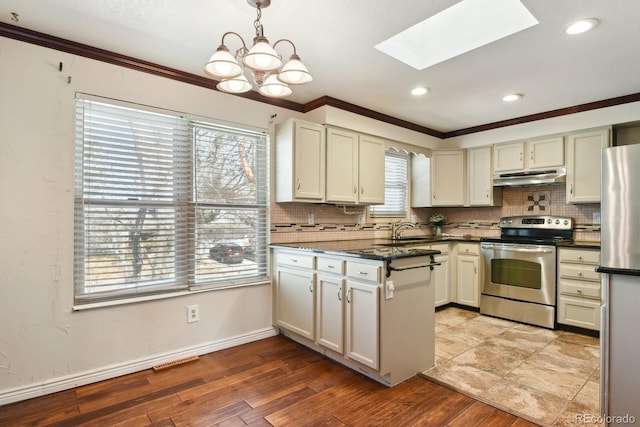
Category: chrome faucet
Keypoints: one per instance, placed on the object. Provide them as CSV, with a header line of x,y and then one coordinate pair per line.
x,y
397,226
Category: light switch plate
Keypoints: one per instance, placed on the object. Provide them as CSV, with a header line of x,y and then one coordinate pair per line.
x,y
596,217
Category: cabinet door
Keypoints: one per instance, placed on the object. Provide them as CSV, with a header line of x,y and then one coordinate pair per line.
x,y
309,161
448,178
362,323
295,301
342,166
583,165
330,319
468,282
545,153
371,170
508,157
441,280
480,177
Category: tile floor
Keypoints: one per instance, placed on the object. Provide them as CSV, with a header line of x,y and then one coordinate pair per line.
x,y
548,377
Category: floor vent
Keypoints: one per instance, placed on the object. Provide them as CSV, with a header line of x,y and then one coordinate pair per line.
x,y
174,363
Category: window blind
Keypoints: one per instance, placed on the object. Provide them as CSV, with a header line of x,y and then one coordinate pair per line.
x,y
395,186
155,192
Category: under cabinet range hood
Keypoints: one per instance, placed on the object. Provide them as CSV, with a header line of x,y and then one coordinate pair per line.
x,y
519,179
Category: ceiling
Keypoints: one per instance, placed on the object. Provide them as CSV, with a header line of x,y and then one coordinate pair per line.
x,y
336,39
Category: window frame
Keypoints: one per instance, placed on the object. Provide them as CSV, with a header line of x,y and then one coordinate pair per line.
x,y
184,202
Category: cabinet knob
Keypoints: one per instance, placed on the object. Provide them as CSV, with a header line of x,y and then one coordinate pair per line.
x,y
487,194
580,273
579,291
362,189
580,257
298,184
434,195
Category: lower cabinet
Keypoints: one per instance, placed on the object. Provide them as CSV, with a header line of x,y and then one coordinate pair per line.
x,y
295,300
338,306
579,288
468,274
362,323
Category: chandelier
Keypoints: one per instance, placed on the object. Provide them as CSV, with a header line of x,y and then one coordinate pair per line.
x,y
261,61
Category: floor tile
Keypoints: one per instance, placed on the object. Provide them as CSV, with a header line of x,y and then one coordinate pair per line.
x,y
546,375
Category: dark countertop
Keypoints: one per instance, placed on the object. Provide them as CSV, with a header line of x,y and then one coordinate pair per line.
x,y
377,249
581,244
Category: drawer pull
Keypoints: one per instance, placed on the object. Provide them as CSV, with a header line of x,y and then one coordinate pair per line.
x,y
340,293
311,287
363,273
331,266
294,260
348,294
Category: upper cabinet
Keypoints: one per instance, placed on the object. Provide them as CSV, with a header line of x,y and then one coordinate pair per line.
x,y
583,165
526,155
355,168
480,183
448,178
300,160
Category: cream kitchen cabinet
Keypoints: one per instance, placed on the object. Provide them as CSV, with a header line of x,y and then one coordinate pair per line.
x,y
355,168
528,155
480,182
579,288
362,299
300,162
294,293
441,273
329,298
468,274
448,178
583,165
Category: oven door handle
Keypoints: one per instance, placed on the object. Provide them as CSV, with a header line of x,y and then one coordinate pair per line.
x,y
522,250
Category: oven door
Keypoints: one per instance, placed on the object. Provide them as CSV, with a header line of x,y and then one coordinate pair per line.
x,y
522,272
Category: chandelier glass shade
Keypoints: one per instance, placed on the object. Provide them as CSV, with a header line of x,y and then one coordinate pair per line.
x,y
262,62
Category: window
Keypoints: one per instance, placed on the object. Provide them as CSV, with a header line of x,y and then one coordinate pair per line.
x,y
165,203
395,186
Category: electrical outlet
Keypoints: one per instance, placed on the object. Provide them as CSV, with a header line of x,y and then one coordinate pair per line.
x,y
389,288
311,219
193,313
596,217
361,218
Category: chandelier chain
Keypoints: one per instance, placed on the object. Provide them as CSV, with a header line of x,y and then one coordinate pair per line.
x,y
256,24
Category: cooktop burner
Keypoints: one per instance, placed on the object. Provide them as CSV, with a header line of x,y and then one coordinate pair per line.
x,y
540,229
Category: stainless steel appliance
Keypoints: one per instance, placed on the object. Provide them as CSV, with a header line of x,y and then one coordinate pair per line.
x,y
620,265
520,269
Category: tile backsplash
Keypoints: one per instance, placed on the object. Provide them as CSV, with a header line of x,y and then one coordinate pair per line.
x,y
290,221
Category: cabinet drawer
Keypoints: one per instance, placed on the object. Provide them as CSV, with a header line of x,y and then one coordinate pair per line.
x,y
468,249
331,265
579,256
363,271
295,259
578,272
579,289
579,312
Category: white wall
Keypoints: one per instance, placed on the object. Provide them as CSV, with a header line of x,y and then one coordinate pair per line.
x,y
44,345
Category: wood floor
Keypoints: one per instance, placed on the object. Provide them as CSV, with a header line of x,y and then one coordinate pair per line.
x,y
269,382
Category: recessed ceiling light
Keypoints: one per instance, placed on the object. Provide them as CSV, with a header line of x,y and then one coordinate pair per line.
x,y
419,91
511,97
581,26
467,25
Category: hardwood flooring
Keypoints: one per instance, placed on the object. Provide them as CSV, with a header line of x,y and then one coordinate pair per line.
x,y
269,382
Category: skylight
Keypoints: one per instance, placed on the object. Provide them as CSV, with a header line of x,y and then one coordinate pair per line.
x,y
465,26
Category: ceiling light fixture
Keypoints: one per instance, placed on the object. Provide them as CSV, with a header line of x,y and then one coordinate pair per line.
x,y
417,91
511,97
261,61
581,26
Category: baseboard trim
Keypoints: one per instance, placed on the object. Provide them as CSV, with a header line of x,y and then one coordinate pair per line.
x,y
112,371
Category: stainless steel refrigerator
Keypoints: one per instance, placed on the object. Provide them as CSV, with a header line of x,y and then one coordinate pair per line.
x,y
620,265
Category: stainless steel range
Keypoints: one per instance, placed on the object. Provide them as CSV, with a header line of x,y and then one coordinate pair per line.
x,y
520,266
